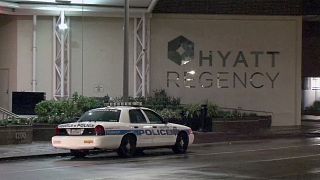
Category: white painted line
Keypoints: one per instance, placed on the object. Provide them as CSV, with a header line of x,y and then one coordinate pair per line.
x,y
40,169
286,158
253,150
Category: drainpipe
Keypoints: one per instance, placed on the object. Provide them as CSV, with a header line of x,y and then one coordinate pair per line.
x,y
126,52
34,53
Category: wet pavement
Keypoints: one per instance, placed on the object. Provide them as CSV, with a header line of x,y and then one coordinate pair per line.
x,y
289,158
36,149
43,149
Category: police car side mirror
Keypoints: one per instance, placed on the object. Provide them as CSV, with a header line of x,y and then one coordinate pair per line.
x,y
165,121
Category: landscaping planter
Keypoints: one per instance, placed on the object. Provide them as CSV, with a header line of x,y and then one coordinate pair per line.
x,y
15,135
43,132
249,125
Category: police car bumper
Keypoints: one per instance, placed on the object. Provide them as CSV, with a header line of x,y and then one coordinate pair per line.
x,y
191,138
85,142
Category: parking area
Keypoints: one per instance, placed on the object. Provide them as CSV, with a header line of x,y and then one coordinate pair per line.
x,y
290,158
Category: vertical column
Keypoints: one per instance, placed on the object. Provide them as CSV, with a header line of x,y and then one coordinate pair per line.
x,y
61,57
34,53
126,52
141,56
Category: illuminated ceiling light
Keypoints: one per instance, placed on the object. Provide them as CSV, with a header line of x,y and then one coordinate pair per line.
x,y
62,25
60,8
192,72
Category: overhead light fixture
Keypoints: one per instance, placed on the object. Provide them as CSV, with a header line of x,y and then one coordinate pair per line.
x,y
62,8
62,26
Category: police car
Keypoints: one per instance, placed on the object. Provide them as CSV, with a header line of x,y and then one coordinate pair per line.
x,y
127,130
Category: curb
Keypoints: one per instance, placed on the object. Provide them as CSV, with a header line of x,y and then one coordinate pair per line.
x,y
32,156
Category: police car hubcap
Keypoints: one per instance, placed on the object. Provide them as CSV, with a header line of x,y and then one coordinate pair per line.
x,y
128,146
181,142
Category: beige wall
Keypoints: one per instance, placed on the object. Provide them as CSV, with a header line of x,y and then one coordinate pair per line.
x,y
43,56
8,50
242,36
101,55
97,47
24,53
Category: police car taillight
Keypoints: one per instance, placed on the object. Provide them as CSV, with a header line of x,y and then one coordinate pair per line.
x,y
99,130
58,131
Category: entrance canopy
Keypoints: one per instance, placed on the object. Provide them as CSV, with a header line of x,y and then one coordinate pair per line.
x,y
75,7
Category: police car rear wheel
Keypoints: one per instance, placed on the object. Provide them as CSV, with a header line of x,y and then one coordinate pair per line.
x,y
181,145
127,147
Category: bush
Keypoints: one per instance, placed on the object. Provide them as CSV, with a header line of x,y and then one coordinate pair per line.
x,y
170,114
192,110
314,109
161,101
15,121
55,112
212,110
158,101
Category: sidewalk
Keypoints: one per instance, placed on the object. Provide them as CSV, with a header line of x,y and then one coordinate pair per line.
x,y
36,149
44,149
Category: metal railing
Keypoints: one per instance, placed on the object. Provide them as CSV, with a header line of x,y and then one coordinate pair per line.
x,y
6,114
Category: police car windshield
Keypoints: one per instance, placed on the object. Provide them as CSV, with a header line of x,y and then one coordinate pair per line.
x,y
101,115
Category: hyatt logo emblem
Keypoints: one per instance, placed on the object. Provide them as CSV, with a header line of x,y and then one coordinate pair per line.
x,y
181,50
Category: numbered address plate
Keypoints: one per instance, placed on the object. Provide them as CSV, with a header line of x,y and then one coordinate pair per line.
x,y
75,132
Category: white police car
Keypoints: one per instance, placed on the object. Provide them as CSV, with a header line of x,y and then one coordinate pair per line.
x,y
127,130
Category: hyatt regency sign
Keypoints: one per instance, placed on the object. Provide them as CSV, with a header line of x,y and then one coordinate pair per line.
x,y
245,65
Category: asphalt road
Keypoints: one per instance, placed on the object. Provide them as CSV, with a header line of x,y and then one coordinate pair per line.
x,y
260,159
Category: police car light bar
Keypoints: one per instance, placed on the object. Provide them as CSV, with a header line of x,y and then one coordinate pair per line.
x,y
134,104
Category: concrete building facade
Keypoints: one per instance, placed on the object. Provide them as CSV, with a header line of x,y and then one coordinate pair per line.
x,y
248,61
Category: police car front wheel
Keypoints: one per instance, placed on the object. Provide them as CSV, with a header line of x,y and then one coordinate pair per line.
x,y
181,145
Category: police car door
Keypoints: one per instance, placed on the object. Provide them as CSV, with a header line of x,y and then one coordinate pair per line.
x,y
141,127
162,132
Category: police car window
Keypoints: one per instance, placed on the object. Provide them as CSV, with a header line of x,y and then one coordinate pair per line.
x,y
136,116
153,117
101,115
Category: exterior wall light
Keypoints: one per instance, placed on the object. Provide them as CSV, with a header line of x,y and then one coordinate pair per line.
x,y
62,26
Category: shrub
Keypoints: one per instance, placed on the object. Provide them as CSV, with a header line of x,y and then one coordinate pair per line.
x,y
64,111
160,100
315,108
15,121
170,114
212,110
192,110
